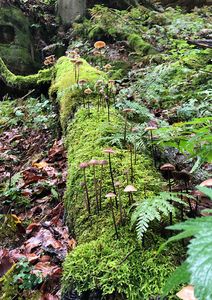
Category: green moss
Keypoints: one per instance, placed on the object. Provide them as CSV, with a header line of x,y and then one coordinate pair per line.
x,y
139,45
118,267
21,82
66,90
96,263
7,287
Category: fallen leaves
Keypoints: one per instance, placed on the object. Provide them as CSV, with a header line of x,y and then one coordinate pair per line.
x,y
46,239
187,293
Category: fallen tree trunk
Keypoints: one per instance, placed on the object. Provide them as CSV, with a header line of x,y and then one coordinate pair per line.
x,y
21,84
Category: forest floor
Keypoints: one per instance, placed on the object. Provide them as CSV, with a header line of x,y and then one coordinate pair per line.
x,y
162,91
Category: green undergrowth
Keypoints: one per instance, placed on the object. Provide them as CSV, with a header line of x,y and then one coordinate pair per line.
x,y
100,261
65,89
21,82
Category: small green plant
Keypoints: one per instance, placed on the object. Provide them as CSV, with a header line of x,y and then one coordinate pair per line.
x,y
152,209
24,277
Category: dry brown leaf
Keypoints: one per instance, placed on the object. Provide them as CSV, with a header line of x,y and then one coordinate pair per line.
x,y
187,293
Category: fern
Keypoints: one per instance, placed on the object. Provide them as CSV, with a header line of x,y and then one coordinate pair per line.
x,y
153,208
197,269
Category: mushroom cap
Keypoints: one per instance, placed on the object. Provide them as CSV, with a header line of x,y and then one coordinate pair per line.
x,y
111,81
83,165
110,195
130,189
99,45
93,162
117,183
150,128
207,183
107,67
88,91
128,110
99,82
187,293
78,62
82,81
109,150
167,167
103,162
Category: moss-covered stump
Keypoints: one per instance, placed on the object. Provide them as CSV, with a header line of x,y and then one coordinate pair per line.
x,y
15,41
108,257
24,83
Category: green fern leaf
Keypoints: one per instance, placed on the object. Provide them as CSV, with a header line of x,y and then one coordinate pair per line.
x,y
180,276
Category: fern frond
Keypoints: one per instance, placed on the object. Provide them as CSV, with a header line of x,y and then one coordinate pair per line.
x,y
153,208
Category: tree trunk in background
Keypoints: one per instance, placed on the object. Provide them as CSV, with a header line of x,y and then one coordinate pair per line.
x,y
69,10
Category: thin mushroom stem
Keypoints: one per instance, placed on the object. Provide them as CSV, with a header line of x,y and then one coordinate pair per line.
x,y
100,188
111,175
131,162
87,194
125,129
96,190
114,220
120,205
170,190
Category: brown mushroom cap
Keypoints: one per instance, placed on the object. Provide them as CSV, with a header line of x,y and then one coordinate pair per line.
x,y
78,62
150,128
167,167
88,91
99,45
82,81
109,150
84,165
110,195
207,183
130,189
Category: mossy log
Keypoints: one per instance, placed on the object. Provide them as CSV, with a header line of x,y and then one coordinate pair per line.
x,y
24,83
101,261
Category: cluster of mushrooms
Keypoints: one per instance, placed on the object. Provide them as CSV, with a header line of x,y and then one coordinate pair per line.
x,y
50,60
114,196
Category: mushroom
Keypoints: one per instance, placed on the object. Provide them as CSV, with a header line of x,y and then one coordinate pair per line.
x,y
111,196
83,166
168,169
99,45
93,163
126,111
130,189
88,92
102,163
110,151
118,185
78,63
